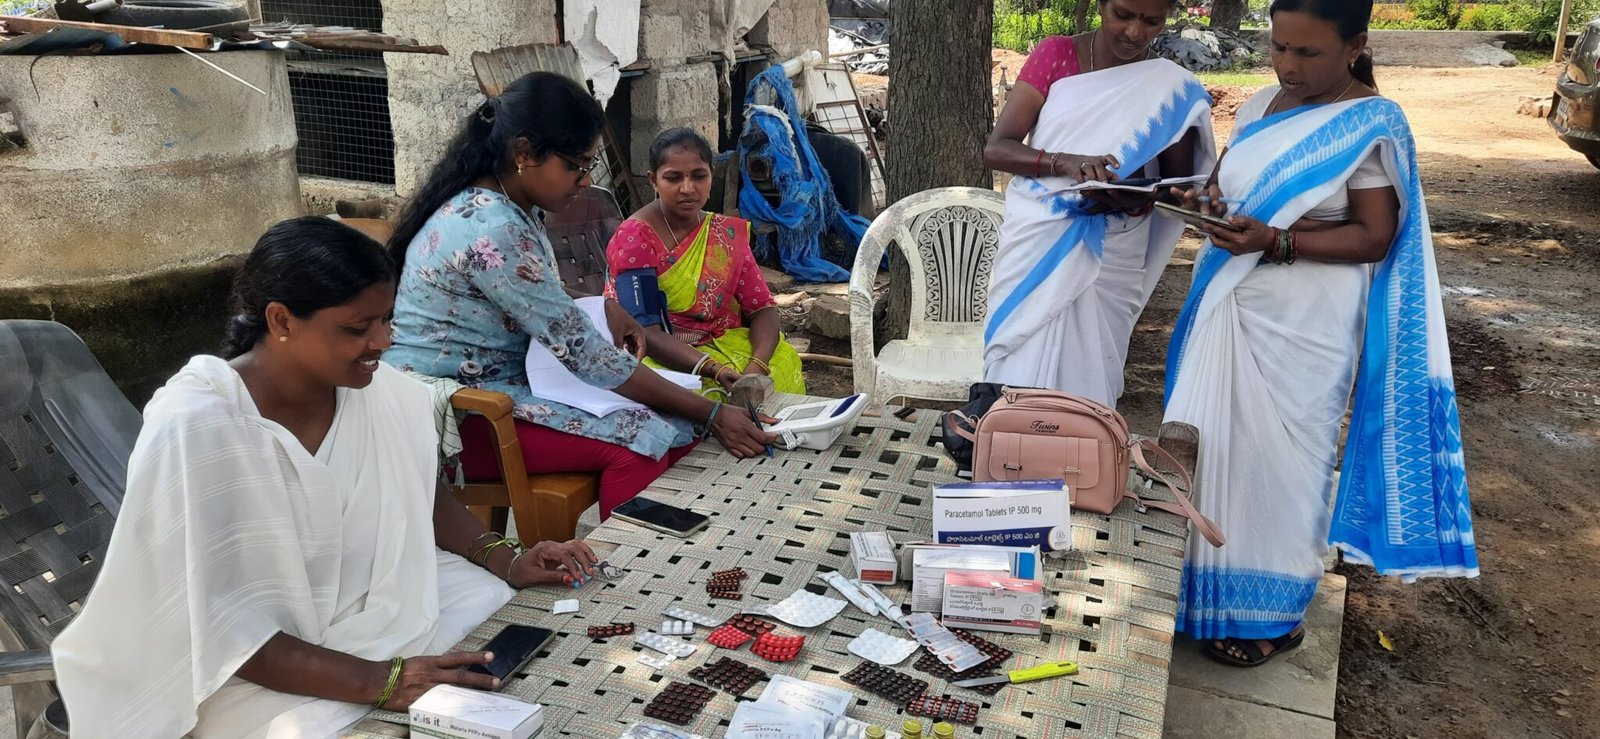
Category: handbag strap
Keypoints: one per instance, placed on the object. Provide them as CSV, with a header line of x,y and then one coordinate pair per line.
x,y
960,429
1184,507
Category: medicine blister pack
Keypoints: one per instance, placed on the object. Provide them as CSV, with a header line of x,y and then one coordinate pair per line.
x,y
876,646
666,645
805,609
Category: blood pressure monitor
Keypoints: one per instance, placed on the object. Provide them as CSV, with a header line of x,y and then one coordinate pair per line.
x,y
816,425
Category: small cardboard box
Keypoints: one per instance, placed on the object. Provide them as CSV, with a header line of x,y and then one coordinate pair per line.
x,y
873,553
1017,514
986,603
930,564
452,712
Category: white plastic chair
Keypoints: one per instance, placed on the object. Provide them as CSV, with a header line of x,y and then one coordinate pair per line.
x,y
948,237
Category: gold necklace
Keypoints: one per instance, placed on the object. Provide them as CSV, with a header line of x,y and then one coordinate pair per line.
x,y
1148,54
662,209
1272,107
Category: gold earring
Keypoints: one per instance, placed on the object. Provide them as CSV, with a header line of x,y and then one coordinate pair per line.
x,y
283,338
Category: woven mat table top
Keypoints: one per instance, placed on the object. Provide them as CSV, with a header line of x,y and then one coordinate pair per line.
x,y
1110,602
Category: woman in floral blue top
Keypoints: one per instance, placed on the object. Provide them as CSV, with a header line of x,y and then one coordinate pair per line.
x,y
479,282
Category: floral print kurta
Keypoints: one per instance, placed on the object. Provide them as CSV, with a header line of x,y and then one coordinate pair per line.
x,y
479,283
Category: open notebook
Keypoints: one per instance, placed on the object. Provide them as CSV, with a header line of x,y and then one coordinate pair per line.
x,y
549,379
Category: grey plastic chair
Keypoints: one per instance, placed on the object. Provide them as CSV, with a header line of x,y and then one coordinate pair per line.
x,y
66,433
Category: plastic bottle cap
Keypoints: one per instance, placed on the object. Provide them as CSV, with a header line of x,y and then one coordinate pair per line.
x,y
874,732
943,730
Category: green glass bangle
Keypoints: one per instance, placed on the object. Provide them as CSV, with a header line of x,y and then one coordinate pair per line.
x,y
396,666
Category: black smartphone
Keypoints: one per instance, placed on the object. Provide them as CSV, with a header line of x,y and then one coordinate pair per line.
x,y
512,648
661,517
1196,217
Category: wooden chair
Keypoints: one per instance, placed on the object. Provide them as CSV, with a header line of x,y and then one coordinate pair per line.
x,y
544,506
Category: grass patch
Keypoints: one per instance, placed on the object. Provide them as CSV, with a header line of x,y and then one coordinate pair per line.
x,y
1531,57
1237,78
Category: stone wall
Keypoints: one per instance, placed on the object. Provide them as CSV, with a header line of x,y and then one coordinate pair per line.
x,y
430,95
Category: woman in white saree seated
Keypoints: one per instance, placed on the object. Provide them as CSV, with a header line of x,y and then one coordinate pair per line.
x,y
284,558
1329,281
1074,270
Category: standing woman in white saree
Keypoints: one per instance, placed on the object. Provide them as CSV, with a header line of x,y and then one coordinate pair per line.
x,y
1330,281
1073,272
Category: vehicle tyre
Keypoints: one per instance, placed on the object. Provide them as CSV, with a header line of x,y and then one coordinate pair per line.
x,y
180,15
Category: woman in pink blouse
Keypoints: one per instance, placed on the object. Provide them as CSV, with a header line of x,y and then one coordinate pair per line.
x,y
724,322
1076,264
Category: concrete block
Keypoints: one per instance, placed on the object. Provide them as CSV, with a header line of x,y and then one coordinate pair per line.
x,y
694,29
661,37
793,26
1304,680
667,98
830,316
1194,714
430,95
778,281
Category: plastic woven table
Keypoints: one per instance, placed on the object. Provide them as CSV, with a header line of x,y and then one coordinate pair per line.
x,y
787,518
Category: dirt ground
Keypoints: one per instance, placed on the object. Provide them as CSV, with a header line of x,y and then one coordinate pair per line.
x,y
1517,233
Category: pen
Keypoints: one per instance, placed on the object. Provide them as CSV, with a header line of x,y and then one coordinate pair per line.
x,y
756,419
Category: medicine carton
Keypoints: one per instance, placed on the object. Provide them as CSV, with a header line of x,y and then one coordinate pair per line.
x,y
873,554
1027,513
985,603
452,712
930,564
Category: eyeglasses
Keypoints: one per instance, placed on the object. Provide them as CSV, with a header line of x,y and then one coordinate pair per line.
x,y
578,166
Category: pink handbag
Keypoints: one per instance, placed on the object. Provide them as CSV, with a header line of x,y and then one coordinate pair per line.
x,y
1045,434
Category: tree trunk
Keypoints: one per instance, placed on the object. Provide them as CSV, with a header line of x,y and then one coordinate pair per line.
x,y
1080,16
940,112
1228,13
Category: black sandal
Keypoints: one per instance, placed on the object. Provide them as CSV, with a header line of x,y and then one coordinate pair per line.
x,y
1254,656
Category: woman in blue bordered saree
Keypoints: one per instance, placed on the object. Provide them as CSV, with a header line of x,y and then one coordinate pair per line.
x,y
1331,281
1074,269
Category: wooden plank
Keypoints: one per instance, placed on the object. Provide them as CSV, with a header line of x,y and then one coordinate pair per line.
x,y
131,34
357,43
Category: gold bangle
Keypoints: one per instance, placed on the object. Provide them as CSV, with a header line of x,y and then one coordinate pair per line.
x,y
763,365
396,665
489,548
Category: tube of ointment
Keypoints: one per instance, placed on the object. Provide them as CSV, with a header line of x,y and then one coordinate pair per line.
x,y
886,605
850,592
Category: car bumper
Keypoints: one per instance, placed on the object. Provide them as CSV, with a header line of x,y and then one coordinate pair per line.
x,y
1572,115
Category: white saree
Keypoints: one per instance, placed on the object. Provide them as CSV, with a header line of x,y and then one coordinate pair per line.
x,y
1069,286
231,531
1262,362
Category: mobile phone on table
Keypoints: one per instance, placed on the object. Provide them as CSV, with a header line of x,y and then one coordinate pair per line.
x,y
512,648
659,516
1196,217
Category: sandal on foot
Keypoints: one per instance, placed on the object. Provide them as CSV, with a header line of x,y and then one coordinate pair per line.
x,y
1254,656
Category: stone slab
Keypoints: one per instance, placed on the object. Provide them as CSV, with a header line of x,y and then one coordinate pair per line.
x,y
1304,680
1200,715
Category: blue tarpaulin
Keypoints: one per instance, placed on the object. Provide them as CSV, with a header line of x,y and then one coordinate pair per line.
x,y
808,208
